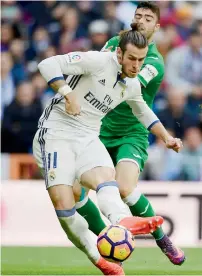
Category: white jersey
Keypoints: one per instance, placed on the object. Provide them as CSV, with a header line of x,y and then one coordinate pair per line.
x,y
95,80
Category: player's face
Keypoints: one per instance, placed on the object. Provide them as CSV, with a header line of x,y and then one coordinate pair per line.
x,y
132,60
147,22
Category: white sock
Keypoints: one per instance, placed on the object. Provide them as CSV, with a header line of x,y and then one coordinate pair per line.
x,y
110,202
76,228
132,198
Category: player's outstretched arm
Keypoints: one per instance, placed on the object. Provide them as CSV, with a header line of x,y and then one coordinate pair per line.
x,y
153,124
147,117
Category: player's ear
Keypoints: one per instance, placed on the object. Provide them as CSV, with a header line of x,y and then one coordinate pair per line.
x,y
119,53
157,27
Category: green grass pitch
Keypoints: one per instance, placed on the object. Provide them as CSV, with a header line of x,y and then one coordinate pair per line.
x,y
70,261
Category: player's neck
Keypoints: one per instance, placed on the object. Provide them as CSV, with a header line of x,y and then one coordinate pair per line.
x,y
122,76
150,40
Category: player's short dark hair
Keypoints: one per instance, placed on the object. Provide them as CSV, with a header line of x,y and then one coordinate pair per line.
x,y
151,6
133,37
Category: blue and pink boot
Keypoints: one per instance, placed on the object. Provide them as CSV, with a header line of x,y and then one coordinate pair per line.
x,y
174,254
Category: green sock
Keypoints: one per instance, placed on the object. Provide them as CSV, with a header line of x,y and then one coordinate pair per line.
x,y
143,208
92,215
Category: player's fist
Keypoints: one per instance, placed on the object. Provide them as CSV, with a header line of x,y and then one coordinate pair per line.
x,y
71,105
174,143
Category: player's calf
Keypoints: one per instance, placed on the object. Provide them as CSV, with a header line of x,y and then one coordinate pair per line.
x,y
90,212
112,206
109,200
72,223
127,173
76,229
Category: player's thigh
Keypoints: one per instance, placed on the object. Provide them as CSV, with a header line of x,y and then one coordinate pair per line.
x,y
129,162
55,157
95,165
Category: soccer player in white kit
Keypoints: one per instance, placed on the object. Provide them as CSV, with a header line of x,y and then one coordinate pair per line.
x,y
66,145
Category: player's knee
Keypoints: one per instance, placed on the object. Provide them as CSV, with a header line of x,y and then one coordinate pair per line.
x,y
103,174
59,204
127,174
126,186
125,190
62,197
94,177
77,190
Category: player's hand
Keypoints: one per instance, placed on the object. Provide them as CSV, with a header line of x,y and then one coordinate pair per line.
x,y
174,144
71,105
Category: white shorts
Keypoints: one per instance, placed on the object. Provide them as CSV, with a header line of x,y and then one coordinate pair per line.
x,y
65,156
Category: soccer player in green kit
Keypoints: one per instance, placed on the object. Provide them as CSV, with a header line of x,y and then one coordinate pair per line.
x,y
126,139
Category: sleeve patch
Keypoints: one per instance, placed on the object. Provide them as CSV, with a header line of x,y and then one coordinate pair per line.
x,y
148,73
74,58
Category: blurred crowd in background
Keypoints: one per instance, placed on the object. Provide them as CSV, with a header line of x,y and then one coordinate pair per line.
x,y
34,30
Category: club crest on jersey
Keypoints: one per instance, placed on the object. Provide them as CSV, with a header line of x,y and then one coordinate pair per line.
x,y
51,175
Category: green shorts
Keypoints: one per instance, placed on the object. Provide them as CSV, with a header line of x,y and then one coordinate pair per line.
x,y
133,149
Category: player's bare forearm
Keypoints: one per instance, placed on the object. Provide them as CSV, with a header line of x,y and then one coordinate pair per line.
x,y
159,130
57,84
60,86
171,143
71,105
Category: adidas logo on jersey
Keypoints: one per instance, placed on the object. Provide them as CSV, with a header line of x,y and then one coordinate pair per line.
x,y
102,82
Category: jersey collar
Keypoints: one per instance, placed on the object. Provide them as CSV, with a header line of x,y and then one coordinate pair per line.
x,y
118,79
117,63
151,44
123,81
